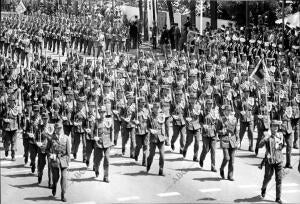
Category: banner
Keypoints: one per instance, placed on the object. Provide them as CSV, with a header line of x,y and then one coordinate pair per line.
x,y
260,73
20,8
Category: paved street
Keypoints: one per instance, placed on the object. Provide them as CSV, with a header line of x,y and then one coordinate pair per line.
x,y
184,181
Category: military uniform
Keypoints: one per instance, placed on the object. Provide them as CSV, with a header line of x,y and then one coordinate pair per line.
x,y
228,139
103,136
157,137
59,152
274,159
192,114
10,127
209,121
179,124
142,134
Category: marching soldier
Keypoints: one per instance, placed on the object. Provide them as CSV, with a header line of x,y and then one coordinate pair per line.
x,y
227,132
78,129
142,135
273,143
209,121
89,125
103,136
10,127
192,114
45,132
128,127
59,152
246,107
179,125
157,137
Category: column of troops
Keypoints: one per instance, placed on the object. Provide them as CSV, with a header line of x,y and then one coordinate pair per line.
x,y
21,35
211,95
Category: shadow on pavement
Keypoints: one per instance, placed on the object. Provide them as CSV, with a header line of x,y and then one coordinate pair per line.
x,y
30,185
77,169
116,156
176,159
247,156
207,199
207,179
13,166
20,175
140,173
190,169
42,198
252,199
93,178
125,164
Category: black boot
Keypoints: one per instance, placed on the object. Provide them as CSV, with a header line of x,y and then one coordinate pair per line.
x,y
97,173
263,193
54,190
184,153
222,173
161,172
6,153
26,160
40,179
63,198
201,163
32,168
105,179
278,200
173,147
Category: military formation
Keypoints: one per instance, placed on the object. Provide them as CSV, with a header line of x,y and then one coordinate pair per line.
x,y
212,94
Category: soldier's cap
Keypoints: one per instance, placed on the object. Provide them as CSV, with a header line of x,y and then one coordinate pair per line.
x,y
178,92
294,86
45,84
153,82
277,82
209,101
226,84
56,88
180,71
36,107
45,115
141,100
89,60
243,73
295,47
58,125
193,95
209,65
167,68
207,79
143,77
156,105
42,57
102,109
11,98
276,122
64,63
107,84
284,99
226,107
285,71
81,98
130,95
267,44
165,86
252,41
270,59
28,103
251,66
68,92
91,103
55,61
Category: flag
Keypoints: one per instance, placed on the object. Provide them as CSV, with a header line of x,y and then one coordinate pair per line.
x,y
260,73
20,8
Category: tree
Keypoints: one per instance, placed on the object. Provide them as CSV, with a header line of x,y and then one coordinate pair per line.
x,y
146,37
193,12
141,15
170,9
